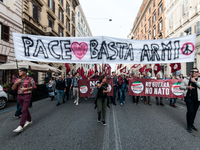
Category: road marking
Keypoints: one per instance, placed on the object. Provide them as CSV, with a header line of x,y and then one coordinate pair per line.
x,y
7,110
106,139
116,132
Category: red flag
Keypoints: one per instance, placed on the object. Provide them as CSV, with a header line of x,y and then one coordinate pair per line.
x,y
100,73
120,66
147,70
95,67
142,69
108,71
82,71
157,68
135,65
68,68
123,70
128,72
175,67
78,70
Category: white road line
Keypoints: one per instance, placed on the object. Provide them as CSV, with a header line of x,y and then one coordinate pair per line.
x,y
106,139
116,132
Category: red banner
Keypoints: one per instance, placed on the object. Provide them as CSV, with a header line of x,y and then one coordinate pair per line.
x,y
87,86
155,88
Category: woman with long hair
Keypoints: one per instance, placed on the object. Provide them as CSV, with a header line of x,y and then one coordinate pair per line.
x,y
103,89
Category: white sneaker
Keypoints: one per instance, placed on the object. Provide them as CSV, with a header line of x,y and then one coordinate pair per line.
x,y
76,103
28,123
19,129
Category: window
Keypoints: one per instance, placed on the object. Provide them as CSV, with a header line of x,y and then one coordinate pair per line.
x,y
81,20
73,5
60,31
73,31
171,21
154,16
73,18
68,9
154,3
4,32
150,35
61,17
141,23
79,26
68,24
36,12
145,18
149,22
78,14
161,24
160,9
61,1
51,5
154,31
51,23
185,7
149,10
145,28
198,28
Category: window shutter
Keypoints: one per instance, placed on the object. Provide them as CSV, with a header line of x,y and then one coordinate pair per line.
x,y
49,3
54,6
190,30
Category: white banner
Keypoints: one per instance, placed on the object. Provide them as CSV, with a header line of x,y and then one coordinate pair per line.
x,y
103,49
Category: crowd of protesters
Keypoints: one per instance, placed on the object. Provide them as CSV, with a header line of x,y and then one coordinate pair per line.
x,y
66,88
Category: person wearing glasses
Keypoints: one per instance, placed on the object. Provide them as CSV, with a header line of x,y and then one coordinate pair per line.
x,y
191,87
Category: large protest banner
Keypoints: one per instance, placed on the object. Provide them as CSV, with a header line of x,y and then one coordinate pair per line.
x,y
86,87
155,88
103,49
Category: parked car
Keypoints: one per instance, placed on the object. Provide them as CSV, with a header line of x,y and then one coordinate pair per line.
x,y
3,98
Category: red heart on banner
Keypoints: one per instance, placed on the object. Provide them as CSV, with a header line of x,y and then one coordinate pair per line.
x,y
79,50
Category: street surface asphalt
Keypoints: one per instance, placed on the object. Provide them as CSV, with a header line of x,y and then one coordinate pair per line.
x,y
71,127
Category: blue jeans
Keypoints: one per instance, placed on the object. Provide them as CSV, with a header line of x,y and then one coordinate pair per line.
x,y
19,109
173,100
60,93
122,95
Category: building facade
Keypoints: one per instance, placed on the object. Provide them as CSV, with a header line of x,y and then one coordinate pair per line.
x,y
149,24
50,18
183,18
10,21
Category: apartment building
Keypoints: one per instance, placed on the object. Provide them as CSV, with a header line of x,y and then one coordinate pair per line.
x,y
149,24
10,21
183,18
50,18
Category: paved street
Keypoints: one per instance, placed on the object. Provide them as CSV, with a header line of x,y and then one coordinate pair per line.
x,y
71,127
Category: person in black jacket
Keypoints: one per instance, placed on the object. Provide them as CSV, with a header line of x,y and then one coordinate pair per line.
x,y
60,89
103,89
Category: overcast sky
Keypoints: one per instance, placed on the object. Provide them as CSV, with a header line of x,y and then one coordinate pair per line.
x,y
122,13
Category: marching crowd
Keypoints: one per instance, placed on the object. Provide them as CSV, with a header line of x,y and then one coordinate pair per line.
x,y
65,87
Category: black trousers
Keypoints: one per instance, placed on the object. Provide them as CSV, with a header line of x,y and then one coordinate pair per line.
x,y
192,107
135,99
67,93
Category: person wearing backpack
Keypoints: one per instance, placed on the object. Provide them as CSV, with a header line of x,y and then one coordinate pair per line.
x,y
24,86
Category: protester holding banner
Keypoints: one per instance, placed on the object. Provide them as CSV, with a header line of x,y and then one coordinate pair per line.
x,y
146,97
96,76
68,82
173,100
60,89
157,98
103,89
24,86
191,87
75,87
136,98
